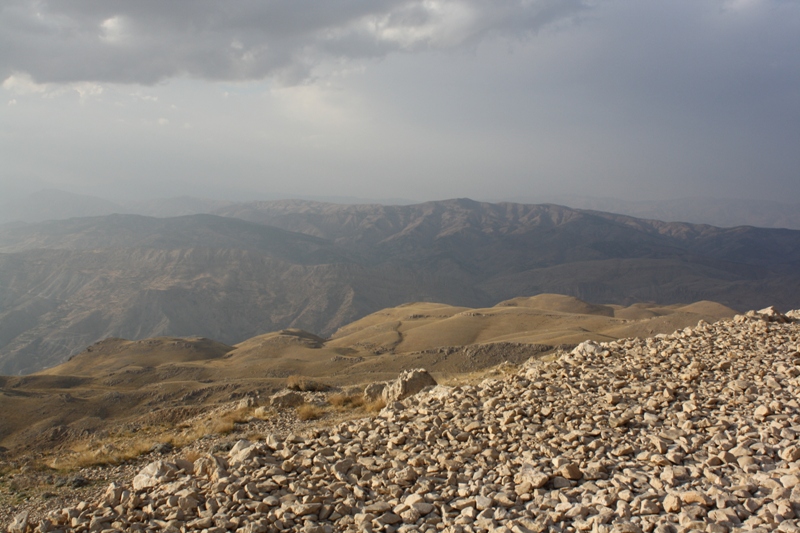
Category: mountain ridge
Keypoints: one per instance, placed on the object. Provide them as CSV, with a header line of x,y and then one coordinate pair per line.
x,y
316,266
49,204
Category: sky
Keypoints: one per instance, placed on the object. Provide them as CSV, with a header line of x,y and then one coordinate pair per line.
x,y
412,99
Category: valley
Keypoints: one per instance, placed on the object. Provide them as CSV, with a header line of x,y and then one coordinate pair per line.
x,y
296,264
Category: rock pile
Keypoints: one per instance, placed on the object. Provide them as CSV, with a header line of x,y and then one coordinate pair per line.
x,y
694,431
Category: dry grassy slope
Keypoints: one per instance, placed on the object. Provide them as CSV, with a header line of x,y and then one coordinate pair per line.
x,y
543,319
118,386
114,355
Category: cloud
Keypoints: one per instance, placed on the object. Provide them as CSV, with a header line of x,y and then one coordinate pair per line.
x,y
147,41
451,97
113,30
23,84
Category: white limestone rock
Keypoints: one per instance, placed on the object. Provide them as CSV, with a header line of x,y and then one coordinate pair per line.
x,y
286,399
409,382
154,474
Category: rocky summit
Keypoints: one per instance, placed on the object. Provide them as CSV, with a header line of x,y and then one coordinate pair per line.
x,y
693,431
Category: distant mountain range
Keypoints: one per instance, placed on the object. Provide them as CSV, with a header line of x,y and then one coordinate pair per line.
x,y
53,204
271,265
723,212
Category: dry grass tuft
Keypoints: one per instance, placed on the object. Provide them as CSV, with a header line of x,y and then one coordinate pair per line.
x,y
309,411
347,401
264,413
220,424
255,436
94,454
304,384
375,407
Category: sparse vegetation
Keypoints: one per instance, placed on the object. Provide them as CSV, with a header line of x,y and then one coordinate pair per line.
x,y
304,384
121,447
309,411
264,413
91,453
255,435
346,401
216,424
220,426
374,407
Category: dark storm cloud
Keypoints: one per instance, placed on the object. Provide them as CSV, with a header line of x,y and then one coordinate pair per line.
x,y
639,99
148,41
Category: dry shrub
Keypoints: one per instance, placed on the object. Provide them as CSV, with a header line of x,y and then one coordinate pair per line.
x,y
376,406
220,424
264,413
309,411
346,401
223,424
304,384
86,459
93,454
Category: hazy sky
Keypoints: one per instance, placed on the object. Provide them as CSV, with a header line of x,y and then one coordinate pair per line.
x,y
638,99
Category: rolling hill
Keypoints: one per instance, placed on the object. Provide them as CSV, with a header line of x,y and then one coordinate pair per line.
x,y
116,384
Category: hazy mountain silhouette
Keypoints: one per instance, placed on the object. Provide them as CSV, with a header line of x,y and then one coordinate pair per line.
x,y
316,266
53,204
723,212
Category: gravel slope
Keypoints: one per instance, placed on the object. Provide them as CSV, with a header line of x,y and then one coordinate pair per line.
x,y
694,431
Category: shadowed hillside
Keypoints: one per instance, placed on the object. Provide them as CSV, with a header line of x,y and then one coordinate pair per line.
x,y
317,267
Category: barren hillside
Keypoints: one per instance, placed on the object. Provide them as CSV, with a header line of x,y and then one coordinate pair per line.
x,y
116,382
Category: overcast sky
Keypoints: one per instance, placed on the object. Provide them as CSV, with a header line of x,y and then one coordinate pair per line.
x,y
635,99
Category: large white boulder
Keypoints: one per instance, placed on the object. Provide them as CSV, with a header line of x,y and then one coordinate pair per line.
x,y
409,383
374,391
153,475
286,398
